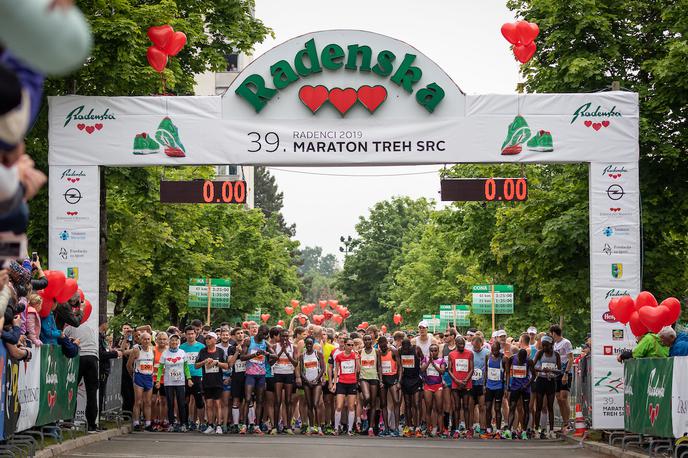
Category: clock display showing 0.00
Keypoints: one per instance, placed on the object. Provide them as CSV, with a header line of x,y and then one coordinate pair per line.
x,y
203,192
229,192
506,189
484,189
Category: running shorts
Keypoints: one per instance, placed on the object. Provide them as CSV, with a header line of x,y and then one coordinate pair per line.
x,y
347,388
196,391
238,382
410,386
434,388
144,381
226,386
563,386
477,391
372,381
390,380
515,395
287,379
257,381
545,386
270,384
214,392
494,395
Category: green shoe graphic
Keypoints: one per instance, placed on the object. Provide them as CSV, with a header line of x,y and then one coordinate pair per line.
x,y
168,136
542,141
517,134
143,144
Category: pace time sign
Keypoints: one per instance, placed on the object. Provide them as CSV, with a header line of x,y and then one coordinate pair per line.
x,y
485,189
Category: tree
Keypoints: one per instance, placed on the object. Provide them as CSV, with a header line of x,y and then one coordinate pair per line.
x,y
270,200
318,274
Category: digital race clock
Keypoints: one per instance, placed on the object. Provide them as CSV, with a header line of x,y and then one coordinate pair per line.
x,y
485,189
203,192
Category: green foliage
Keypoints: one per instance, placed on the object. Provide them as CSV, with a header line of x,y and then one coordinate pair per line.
x,y
270,200
318,274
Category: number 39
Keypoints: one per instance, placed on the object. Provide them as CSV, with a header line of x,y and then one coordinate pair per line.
x,y
270,139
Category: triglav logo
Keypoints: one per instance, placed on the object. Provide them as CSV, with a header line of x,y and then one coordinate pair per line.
x,y
78,114
590,117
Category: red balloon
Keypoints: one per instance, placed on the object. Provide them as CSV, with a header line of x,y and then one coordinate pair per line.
x,y
160,35
526,31
244,325
305,309
364,325
156,59
47,305
289,310
653,318
280,323
509,32
67,291
645,298
622,308
175,44
88,308
333,303
318,319
56,280
265,317
322,304
327,314
397,319
524,52
637,327
674,310
338,319
294,303
302,320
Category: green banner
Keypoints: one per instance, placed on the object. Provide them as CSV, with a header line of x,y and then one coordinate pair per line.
x,y
647,396
59,385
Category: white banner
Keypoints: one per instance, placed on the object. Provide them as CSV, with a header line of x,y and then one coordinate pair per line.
x,y
74,233
679,396
28,392
614,272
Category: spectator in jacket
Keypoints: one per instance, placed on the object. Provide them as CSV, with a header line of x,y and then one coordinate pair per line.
x,y
649,346
39,281
677,343
33,319
49,332
105,355
69,313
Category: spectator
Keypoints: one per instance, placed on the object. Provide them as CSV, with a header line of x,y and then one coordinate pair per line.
x,y
69,313
39,281
649,346
125,346
677,343
88,369
33,320
105,355
49,332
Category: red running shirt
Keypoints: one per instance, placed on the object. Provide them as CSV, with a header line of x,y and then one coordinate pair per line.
x,y
458,365
346,365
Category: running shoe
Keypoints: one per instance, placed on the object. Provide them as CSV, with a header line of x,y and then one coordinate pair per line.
x,y
144,144
517,134
542,141
192,426
364,424
298,424
406,432
209,430
383,432
202,427
371,433
273,432
329,430
349,433
320,431
506,434
552,435
171,429
289,431
242,429
183,429
258,432
168,136
524,436
395,433
456,434
419,433
218,430
469,434
149,428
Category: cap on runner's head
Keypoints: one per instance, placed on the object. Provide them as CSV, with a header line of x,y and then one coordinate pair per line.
x,y
499,333
547,339
211,334
532,330
470,333
423,324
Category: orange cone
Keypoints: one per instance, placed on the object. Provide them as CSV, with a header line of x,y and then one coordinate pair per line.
x,y
581,429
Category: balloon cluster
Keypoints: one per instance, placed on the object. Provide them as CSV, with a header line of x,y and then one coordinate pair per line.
x,y
644,313
60,289
341,314
521,35
166,42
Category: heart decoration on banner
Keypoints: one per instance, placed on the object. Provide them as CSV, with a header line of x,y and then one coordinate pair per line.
x,y
521,34
313,97
653,413
371,97
343,99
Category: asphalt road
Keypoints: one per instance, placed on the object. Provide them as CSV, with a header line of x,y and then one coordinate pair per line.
x,y
167,445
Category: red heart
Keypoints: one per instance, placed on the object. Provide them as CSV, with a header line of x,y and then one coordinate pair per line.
x,y
343,99
509,32
372,97
527,31
90,129
156,58
80,126
313,97
645,298
99,126
596,125
265,317
327,314
674,306
175,359
524,52
653,318
52,395
70,395
654,413
175,44
160,35
605,123
588,123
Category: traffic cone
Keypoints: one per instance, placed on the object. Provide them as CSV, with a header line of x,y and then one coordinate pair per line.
x,y
581,429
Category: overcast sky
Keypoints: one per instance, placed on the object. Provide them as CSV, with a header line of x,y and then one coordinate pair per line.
x,y
462,36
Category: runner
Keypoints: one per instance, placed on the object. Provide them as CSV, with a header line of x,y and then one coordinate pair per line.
x,y
309,374
212,361
191,348
494,389
423,340
411,387
346,370
369,383
433,368
389,384
328,395
480,354
461,371
448,346
174,369
140,365
547,369
232,352
159,400
283,372
272,417
565,349
256,352
521,374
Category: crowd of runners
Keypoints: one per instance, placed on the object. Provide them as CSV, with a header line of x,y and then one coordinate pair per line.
x,y
315,381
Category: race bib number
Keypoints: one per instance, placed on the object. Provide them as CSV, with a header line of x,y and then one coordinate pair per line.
x,y
368,362
190,358
348,367
477,374
461,365
408,361
519,371
260,359
146,368
240,366
310,364
212,370
494,374
386,367
175,375
283,361
431,371
550,366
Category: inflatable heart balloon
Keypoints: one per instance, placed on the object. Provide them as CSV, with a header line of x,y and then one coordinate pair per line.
x,y
88,308
645,298
673,307
47,305
526,32
637,327
327,314
653,318
175,44
56,280
289,310
318,319
322,304
305,309
280,323
397,319
70,287
244,325
160,35
294,303
524,52
509,32
333,303
265,317
302,320
364,325
622,308
156,59
338,319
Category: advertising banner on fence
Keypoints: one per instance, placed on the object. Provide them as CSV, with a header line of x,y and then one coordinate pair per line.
x,y
679,397
3,387
11,399
29,392
59,385
648,394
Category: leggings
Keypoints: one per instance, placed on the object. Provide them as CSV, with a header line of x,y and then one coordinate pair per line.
x,y
172,392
